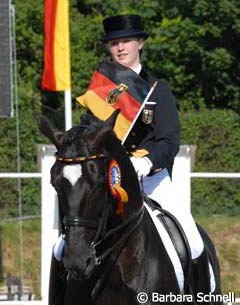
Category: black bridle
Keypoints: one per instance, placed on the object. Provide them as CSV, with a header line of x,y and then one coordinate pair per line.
x,y
72,221
125,229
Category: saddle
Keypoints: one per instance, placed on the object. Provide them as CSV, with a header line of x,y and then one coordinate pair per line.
x,y
177,236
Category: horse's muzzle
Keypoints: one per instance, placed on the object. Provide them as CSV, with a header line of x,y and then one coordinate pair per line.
x,y
79,274
79,266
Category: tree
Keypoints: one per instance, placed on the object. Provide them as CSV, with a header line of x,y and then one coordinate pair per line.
x,y
192,44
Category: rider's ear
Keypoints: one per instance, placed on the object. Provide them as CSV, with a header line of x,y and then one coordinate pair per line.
x,y
48,131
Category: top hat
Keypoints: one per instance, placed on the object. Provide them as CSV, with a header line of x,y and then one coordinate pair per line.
x,y
123,26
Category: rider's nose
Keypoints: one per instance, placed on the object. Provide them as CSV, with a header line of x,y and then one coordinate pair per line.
x,y
120,46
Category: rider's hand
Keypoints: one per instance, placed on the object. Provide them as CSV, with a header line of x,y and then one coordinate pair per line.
x,y
142,166
58,248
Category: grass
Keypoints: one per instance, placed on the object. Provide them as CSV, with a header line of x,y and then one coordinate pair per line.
x,y
224,231
30,260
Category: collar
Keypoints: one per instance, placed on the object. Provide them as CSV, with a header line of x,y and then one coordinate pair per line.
x,y
137,69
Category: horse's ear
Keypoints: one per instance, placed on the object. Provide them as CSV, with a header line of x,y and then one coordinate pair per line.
x,y
48,131
112,119
108,126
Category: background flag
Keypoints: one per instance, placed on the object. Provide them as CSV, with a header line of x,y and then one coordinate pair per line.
x,y
56,72
104,81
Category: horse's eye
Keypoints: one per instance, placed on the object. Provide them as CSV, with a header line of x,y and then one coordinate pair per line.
x,y
92,168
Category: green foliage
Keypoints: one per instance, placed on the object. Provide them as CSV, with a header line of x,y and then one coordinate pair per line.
x,y
192,44
217,136
29,47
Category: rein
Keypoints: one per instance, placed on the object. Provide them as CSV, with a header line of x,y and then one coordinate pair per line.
x,y
114,251
121,241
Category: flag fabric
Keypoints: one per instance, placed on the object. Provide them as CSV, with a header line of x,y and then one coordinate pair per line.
x,y
105,94
56,71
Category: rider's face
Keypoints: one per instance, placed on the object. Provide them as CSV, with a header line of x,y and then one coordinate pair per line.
x,y
125,51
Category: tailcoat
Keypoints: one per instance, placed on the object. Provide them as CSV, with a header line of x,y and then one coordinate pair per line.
x,y
157,130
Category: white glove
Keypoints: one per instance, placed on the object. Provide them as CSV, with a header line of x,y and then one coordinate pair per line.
x,y
142,166
58,248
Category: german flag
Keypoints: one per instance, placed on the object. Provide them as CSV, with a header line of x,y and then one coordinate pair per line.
x,y
56,72
112,87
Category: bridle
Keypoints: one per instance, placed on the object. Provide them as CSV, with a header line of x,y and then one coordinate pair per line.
x,y
125,229
77,160
71,221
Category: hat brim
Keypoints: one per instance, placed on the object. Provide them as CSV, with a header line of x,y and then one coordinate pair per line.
x,y
124,34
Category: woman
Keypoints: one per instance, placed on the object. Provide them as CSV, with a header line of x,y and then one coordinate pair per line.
x,y
154,138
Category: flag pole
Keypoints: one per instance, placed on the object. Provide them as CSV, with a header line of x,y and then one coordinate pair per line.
x,y
68,109
140,110
56,74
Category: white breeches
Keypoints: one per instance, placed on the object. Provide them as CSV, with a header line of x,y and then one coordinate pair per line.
x,y
160,188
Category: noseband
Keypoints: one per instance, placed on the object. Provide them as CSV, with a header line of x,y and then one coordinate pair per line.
x,y
76,221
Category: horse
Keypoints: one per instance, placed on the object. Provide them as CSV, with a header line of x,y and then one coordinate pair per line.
x,y
112,251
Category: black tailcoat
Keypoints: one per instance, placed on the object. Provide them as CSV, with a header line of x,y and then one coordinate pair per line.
x,y
161,137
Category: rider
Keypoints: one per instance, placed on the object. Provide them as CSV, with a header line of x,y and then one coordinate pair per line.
x,y
156,131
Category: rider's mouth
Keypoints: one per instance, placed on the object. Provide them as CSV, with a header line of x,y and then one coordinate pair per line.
x,y
122,56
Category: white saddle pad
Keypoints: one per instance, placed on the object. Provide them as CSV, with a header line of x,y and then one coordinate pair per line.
x,y
168,246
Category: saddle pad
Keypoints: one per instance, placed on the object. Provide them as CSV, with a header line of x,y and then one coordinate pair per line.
x,y
168,246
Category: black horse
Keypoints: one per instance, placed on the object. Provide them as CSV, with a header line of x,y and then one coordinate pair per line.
x,y
112,250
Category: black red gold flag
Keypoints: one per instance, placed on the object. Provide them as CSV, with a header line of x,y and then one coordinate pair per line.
x,y
112,87
56,72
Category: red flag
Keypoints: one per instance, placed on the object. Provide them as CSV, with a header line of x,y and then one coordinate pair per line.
x,y
56,72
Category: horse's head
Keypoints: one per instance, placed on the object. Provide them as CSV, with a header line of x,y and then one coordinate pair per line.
x,y
93,178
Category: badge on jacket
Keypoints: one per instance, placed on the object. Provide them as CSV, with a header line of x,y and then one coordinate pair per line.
x,y
148,112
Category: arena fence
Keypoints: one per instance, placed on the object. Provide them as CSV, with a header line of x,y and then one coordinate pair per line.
x,y
182,175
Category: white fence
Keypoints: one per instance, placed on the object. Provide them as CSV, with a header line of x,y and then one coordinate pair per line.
x,y
49,217
24,302
215,175
182,175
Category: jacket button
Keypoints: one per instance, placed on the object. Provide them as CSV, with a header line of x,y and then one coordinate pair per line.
x,y
133,146
133,134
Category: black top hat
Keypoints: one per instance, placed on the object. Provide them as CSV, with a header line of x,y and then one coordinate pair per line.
x,y
123,26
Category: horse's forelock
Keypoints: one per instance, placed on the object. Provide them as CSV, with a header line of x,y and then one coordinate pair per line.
x,y
91,121
71,135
